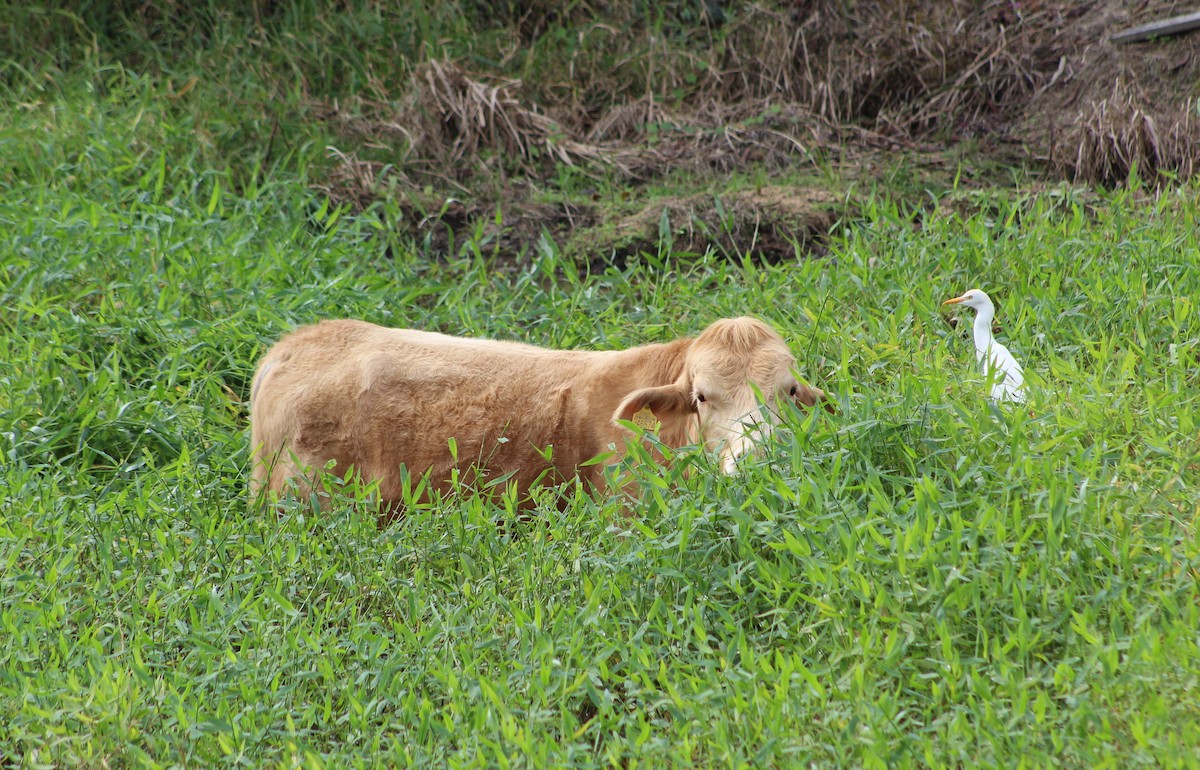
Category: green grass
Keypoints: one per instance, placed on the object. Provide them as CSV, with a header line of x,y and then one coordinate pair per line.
x,y
919,580
243,87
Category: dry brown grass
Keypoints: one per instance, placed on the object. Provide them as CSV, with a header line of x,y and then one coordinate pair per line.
x,y
452,125
458,120
777,81
1118,136
904,67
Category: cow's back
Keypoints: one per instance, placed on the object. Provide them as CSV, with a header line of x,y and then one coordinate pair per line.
x,y
374,398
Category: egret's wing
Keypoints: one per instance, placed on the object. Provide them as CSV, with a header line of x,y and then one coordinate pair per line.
x,y
1008,374
1006,391
1005,362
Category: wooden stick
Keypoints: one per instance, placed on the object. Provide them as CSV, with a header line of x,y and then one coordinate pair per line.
x,y
1172,26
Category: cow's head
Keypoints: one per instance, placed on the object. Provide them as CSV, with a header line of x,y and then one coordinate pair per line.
x,y
734,376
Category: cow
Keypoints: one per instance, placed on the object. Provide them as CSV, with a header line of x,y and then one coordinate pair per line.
x,y
350,394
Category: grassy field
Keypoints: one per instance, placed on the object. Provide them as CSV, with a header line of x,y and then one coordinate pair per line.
x,y
922,580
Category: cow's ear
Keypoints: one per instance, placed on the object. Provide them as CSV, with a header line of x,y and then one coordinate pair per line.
x,y
808,396
665,403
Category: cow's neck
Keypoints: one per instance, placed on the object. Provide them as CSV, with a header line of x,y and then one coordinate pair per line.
x,y
652,365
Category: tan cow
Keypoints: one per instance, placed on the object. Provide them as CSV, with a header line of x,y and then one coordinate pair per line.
x,y
373,398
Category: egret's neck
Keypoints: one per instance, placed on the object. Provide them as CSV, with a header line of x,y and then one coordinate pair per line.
x,y
983,329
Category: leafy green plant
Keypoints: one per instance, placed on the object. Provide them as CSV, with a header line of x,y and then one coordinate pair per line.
x,y
922,579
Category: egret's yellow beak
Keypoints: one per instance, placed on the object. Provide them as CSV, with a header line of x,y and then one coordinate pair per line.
x,y
954,301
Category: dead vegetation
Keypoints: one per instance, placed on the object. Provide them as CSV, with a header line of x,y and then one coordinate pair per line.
x,y
1118,136
899,68
773,223
775,84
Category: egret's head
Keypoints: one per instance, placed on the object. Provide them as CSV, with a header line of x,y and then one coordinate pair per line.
x,y
975,298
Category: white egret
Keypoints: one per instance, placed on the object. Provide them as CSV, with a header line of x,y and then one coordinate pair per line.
x,y
999,366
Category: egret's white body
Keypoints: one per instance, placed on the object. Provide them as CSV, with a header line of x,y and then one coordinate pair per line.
x,y
999,366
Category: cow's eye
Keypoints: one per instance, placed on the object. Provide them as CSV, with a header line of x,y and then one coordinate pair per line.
x,y
792,392
700,397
